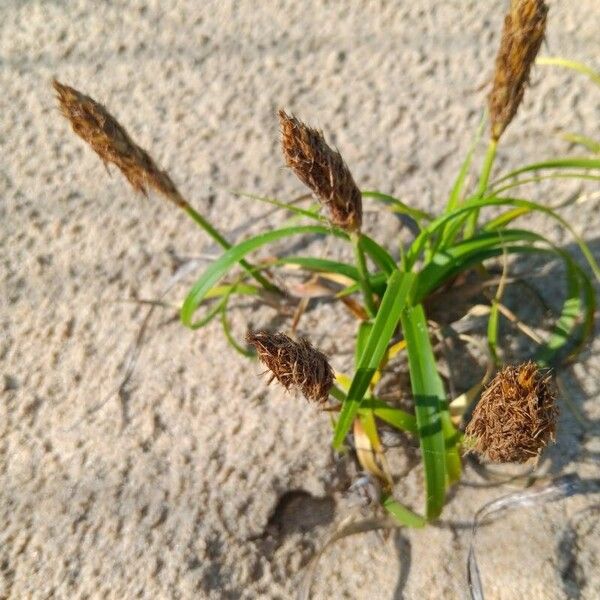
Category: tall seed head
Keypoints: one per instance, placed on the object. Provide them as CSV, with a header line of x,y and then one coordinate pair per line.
x,y
323,170
108,138
515,418
294,364
522,36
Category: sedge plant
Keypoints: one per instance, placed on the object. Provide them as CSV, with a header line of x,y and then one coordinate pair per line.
x,y
389,295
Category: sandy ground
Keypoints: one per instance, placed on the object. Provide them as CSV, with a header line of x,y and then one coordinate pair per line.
x,y
197,481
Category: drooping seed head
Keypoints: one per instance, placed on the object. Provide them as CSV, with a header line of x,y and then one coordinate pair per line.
x,y
515,418
109,139
522,36
296,365
323,170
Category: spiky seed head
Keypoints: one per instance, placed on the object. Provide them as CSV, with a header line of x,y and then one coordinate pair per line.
x,y
522,36
109,139
297,365
515,418
323,170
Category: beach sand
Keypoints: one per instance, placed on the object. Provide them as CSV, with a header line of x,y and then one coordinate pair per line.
x,y
194,479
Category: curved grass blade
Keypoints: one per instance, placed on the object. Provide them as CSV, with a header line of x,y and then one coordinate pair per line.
x,y
403,515
319,265
583,140
385,324
228,334
560,175
448,262
311,214
380,256
570,64
418,245
558,163
227,260
535,206
398,206
576,321
457,189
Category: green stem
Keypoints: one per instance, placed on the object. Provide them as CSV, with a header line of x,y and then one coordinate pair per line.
x,y
365,285
217,237
484,178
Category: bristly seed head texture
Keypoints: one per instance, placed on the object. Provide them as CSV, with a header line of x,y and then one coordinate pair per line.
x,y
522,36
515,418
323,170
297,365
108,138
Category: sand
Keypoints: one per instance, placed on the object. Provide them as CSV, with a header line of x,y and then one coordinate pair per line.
x,y
195,480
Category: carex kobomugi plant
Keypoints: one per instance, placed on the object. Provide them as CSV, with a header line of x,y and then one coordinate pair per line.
x,y
516,416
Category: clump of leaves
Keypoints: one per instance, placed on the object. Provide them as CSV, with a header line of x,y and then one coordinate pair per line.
x,y
394,291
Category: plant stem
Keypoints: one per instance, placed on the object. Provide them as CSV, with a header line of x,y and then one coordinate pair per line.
x,y
484,178
217,237
361,264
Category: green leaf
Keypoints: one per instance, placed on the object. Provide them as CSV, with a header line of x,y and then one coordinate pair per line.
x,y
570,64
430,403
319,265
450,261
403,515
362,336
558,163
228,334
583,140
398,206
457,189
418,245
217,269
497,190
395,417
283,205
378,254
385,324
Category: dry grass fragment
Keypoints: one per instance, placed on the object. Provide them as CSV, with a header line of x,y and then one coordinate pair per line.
x,y
109,139
515,417
323,170
294,364
522,36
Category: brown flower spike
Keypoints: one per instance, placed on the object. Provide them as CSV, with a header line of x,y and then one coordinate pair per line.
x,y
294,364
108,138
516,416
323,170
522,36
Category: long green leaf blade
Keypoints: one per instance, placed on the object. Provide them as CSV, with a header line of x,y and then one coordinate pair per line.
x,y
386,321
430,398
217,269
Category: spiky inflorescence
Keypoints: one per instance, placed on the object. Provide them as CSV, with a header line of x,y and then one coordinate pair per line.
x,y
515,417
108,138
522,36
323,170
294,364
